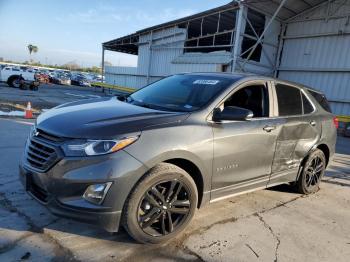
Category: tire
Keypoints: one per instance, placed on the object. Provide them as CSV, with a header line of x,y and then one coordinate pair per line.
x,y
312,172
169,219
11,80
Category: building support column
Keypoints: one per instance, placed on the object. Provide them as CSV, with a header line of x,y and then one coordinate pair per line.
x,y
149,58
279,51
237,39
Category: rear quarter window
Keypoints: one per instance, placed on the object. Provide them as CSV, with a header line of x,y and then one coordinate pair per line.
x,y
322,100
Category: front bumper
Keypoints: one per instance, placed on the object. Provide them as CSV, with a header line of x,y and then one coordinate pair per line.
x,y
61,188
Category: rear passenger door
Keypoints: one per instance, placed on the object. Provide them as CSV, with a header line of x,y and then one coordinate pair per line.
x,y
298,134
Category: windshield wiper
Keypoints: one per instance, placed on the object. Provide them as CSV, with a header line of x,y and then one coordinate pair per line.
x,y
132,101
123,98
142,104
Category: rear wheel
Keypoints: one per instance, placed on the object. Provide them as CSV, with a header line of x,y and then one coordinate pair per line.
x,y
312,173
161,205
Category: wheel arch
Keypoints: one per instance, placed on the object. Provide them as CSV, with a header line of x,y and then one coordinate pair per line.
x,y
189,166
194,171
325,149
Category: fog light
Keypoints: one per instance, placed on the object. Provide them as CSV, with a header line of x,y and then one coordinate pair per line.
x,y
96,193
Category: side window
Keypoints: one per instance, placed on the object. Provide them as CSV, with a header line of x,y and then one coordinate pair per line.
x,y
322,100
289,100
308,108
254,98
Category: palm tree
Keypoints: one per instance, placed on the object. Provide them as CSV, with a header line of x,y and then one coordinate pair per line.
x,y
32,49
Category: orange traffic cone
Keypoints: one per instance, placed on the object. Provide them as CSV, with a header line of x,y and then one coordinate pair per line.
x,y
28,112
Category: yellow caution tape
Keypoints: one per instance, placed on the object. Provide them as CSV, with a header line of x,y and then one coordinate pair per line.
x,y
120,88
343,119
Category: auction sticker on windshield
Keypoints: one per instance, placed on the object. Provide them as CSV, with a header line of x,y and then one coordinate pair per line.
x,y
206,82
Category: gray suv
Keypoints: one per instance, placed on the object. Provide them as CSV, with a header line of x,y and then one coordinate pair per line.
x,y
147,161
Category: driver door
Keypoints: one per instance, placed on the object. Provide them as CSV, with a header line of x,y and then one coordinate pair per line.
x,y
244,150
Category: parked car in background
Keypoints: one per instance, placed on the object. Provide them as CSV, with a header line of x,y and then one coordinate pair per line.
x,y
80,80
42,77
15,77
149,160
60,79
97,78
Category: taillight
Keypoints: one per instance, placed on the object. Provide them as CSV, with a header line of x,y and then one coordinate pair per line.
x,y
336,122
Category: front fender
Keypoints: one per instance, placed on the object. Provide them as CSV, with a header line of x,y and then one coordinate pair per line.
x,y
191,143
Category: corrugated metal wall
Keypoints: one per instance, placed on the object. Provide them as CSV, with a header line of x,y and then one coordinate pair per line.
x,y
166,46
158,50
316,53
126,77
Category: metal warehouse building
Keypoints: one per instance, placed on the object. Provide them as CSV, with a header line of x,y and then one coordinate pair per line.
x,y
305,41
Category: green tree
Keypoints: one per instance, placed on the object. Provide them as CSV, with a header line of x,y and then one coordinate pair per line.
x,y
32,49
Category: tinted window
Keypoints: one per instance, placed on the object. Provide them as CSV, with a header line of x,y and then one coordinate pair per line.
x,y
254,98
181,92
289,100
322,100
308,108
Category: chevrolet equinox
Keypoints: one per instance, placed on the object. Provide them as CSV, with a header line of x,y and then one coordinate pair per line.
x,y
147,161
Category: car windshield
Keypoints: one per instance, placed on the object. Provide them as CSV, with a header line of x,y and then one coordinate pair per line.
x,y
181,92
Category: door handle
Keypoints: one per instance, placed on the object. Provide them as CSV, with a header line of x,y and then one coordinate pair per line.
x,y
313,123
269,128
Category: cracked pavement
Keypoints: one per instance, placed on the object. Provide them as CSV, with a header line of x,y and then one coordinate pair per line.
x,y
268,225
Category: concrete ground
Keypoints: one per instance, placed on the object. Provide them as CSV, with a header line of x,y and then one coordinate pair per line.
x,y
268,225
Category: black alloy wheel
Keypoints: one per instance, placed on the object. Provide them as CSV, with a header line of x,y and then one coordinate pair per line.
x,y
312,173
163,208
161,205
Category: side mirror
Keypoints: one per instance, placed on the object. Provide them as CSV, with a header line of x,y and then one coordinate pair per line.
x,y
232,113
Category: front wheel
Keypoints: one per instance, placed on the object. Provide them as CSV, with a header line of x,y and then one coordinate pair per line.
x,y
162,204
313,170
15,81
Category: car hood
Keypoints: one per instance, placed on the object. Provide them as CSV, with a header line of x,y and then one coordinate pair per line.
x,y
103,118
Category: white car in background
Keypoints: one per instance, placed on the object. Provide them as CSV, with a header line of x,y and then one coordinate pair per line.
x,y
15,77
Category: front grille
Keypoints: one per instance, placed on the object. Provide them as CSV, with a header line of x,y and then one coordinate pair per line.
x,y
46,136
42,151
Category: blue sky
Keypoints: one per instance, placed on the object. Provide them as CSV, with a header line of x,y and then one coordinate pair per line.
x,y
73,30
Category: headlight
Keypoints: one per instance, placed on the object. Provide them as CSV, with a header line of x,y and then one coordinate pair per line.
x,y
96,147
